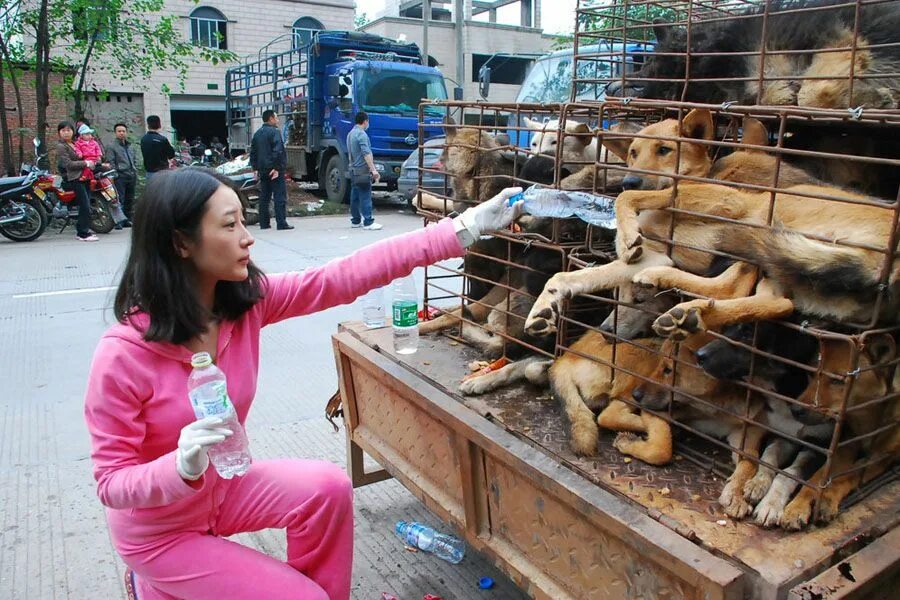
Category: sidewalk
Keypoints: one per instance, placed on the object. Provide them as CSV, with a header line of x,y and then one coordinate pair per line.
x,y
53,538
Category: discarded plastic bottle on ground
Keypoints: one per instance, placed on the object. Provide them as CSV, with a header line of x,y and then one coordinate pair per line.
x,y
208,392
427,539
404,312
373,308
545,202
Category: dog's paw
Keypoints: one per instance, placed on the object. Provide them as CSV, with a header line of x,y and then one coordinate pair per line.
x,y
732,500
475,386
584,437
625,441
796,515
542,320
629,251
651,278
756,488
679,323
828,509
769,510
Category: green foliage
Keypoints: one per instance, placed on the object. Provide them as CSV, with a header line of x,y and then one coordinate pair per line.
x,y
360,19
611,15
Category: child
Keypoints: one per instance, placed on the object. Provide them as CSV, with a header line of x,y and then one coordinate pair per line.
x,y
88,149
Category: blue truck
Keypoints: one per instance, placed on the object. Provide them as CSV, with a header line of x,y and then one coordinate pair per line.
x,y
318,89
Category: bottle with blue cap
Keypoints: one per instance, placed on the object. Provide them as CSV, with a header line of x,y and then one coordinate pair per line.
x,y
427,539
597,210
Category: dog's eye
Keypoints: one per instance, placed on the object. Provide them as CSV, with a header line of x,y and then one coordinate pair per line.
x,y
553,143
633,153
667,371
663,150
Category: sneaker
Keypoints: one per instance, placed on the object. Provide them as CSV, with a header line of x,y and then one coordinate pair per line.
x,y
373,226
117,227
87,238
126,223
355,225
285,226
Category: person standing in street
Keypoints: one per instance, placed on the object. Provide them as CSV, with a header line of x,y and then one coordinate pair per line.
x,y
268,159
121,155
156,148
362,175
71,164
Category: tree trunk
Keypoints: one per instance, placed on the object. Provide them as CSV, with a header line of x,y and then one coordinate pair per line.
x,y
20,113
82,77
4,127
42,70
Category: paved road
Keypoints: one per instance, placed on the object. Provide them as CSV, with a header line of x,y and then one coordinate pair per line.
x,y
54,299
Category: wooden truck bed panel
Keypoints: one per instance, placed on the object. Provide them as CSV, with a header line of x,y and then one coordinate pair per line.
x,y
499,468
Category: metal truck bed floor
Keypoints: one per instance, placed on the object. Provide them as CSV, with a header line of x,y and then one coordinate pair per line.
x,y
498,466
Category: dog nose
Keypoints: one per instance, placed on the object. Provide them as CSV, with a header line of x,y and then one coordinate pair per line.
x,y
702,356
632,182
637,394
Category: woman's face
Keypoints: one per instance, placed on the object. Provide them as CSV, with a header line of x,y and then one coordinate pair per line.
x,y
223,251
66,133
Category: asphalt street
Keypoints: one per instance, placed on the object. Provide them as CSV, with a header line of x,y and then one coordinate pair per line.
x,y
55,295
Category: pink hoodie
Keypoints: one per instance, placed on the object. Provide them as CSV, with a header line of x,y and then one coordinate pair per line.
x,y
136,402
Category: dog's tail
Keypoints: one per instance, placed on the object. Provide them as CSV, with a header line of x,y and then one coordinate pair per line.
x,y
791,258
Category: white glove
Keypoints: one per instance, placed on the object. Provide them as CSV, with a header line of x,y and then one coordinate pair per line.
x,y
192,459
488,216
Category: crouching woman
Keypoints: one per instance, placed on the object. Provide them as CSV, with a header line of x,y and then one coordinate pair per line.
x,y
190,286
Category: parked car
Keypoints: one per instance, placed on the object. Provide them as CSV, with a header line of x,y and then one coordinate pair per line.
x,y
409,171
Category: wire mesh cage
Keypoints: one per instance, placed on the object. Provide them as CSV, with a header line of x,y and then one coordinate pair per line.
x,y
746,304
837,54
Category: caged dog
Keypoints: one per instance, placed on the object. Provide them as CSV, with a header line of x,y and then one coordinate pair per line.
x,y
789,28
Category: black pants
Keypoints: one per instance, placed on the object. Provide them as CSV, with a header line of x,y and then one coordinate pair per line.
x,y
125,185
83,200
276,190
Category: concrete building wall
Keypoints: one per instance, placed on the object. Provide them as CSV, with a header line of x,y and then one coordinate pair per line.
x,y
478,38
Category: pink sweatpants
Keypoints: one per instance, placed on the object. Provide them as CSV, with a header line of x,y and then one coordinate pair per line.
x,y
313,500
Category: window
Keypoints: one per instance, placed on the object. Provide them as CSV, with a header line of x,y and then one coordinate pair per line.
x,y
208,28
504,69
303,30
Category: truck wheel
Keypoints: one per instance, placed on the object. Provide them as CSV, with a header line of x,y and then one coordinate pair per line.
x,y
337,187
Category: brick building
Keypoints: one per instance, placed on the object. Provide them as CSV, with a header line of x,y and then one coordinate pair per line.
x,y
58,110
249,28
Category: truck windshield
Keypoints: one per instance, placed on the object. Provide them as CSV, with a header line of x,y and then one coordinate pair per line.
x,y
550,79
393,92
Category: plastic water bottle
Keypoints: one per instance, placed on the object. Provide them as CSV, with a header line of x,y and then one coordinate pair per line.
x,y
208,392
405,318
373,308
427,539
545,202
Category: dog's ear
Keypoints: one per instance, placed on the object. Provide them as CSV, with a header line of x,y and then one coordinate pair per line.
x,y
579,133
698,125
450,132
754,132
576,127
662,30
618,145
502,139
881,349
532,124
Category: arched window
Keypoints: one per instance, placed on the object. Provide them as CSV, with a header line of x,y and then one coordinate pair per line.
x,y
303,31
208,28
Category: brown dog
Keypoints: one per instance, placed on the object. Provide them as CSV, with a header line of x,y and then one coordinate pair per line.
x,y
873,380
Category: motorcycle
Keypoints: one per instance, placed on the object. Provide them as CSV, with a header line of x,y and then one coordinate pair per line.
x,y
22,216
240,172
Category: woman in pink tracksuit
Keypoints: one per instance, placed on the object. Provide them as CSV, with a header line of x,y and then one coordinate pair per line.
x,y
189,286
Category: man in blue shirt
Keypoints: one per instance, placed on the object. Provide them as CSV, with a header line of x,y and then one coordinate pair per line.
x,y
362,175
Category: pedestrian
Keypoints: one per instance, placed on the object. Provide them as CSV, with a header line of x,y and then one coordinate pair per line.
x,y
268,159
155,148
121,156
362,174
189,285
71,165
88,149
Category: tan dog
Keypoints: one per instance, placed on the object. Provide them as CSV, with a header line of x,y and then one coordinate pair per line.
x,y
874,380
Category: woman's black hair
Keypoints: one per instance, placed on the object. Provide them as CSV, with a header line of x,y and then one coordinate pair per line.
x,y
159,282
63,124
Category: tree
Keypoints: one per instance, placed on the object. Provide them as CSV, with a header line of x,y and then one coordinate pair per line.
x,y
360,20
129,39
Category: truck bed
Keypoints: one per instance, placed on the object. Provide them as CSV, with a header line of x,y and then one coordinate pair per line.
x,y
498,467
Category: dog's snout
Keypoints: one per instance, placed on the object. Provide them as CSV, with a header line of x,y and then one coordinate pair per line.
x,y
637,394
702,356
632,182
